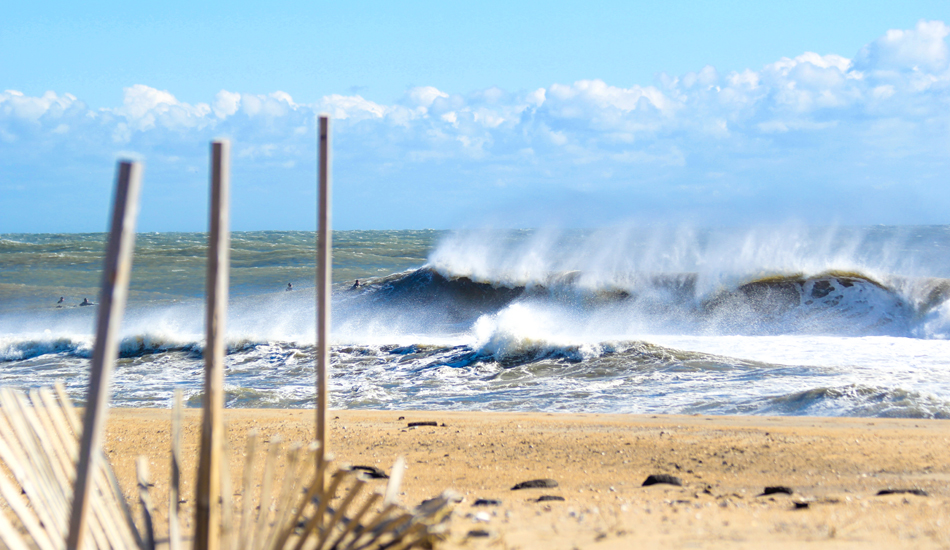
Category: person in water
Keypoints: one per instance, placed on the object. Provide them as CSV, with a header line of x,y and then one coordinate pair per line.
x,y
356,284
289,287
61,300
86,302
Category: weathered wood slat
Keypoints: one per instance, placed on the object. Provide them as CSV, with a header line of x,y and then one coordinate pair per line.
x,y
372,526
267,481
174,485
10,537
30,522
33,475
250,454
302,506
316,522
148,511
227,495
355,520
284,502
355,490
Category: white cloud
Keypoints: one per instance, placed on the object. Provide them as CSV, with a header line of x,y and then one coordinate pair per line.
x,y
144,107
423,96
226,103
537,97
924,48
273,105
882,92
15,104
351,107
598,94
138,100
889,102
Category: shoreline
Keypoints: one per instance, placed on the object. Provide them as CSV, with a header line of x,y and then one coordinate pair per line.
x,y
834,466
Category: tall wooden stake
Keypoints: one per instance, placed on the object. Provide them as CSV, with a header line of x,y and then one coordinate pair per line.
x,y
208,488
324,266
115,287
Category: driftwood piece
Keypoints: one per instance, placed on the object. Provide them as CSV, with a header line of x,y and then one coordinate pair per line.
x,y
145,499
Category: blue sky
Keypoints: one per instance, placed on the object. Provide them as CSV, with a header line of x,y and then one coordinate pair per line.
x,y
492,113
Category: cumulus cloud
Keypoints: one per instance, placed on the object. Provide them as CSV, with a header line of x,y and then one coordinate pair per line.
x,y
921,48
351,107
424,96
143,108
226,103
807,113
15,105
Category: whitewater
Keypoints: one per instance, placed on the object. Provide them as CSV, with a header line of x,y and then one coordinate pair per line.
x,y
790,320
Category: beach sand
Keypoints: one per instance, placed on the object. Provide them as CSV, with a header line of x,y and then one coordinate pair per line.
x,y
835,466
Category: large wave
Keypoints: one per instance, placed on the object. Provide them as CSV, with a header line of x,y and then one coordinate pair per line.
x,y
832,302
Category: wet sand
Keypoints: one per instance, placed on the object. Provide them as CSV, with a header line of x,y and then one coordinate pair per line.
x,y
835,468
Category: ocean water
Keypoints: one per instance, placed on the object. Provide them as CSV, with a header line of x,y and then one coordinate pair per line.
x,y
781,321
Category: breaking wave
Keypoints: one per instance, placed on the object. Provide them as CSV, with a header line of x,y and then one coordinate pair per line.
x,y
832,302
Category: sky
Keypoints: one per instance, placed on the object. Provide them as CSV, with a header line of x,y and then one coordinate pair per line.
x,y
450,115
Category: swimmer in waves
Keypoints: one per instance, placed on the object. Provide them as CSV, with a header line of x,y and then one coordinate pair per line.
x,y
356,285
86,302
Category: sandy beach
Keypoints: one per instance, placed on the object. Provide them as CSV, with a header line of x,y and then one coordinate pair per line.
x,y
834,467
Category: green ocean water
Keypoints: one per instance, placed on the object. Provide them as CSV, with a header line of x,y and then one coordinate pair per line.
x,y
38,269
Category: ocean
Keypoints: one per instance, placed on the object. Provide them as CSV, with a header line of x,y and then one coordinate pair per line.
x,y
786,320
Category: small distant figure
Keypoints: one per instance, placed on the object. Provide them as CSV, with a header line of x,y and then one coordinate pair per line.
x,y
356,284
85,302
61,300
290,287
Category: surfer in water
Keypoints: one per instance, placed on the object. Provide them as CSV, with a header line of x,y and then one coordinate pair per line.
x,y
86,302
289,287
61,300
356,285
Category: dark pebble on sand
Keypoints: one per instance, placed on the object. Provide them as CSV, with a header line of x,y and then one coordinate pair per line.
x,y
548,498
775,489
371,472
662,478
478,533
487,502
414,424
918,492
535,484
801,505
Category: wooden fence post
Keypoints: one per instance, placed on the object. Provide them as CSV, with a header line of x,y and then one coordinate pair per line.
x,y
324,267
115,287
208,488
